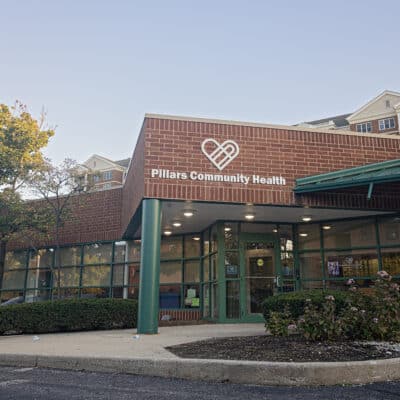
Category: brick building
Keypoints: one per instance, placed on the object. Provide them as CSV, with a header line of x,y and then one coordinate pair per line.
x,y
214,216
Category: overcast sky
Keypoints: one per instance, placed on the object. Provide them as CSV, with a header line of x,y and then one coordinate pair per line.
x,y
98,66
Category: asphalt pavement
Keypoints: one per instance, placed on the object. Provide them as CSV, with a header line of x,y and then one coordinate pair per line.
x,y
46,384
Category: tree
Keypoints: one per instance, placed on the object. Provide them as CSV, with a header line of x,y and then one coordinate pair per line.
x,y
58,186
22,139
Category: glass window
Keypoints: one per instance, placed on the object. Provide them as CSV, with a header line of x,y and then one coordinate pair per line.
x,y
96,275
171,272
13,280
68,276
214,267
232,299
310,266
214,239
206,269
38,278
206,242
309,237
192,271
69,293
134,250
17,296
42,258
286,237
391,261
348,234
351,264
119,252
15,259
97,253
91,293
206,300
170,296
107,175
232,267
171,247
231,234
70,256
389,231
287,264
191,297
192,246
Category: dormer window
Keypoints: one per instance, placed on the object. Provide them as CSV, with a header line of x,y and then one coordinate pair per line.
x,y
387,123
364,127
107,175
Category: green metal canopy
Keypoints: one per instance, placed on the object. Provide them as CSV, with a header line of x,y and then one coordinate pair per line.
x,y
383,172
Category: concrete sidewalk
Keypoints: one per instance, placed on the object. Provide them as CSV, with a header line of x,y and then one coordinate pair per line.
x,y
121,352
121,343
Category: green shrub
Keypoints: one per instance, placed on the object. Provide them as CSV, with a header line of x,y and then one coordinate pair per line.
x,y
68,315
296,301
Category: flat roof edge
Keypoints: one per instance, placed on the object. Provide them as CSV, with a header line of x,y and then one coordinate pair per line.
x,y
272,126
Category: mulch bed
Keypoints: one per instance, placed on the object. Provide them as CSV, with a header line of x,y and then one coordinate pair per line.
x,y
285,349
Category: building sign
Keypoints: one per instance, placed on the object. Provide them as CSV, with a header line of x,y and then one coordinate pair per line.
x,y
220,155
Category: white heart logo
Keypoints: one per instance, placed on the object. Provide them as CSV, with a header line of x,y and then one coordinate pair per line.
x,y
220,154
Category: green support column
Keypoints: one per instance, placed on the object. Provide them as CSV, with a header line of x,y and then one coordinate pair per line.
x,y
149,267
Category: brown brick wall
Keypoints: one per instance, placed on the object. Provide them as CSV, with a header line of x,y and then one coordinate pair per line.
x,y
133,190
375,126
176,145
94,217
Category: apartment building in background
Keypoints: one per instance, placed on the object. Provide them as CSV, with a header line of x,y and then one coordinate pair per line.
x,y
379,115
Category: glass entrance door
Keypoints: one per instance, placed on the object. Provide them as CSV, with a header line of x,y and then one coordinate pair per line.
x,y
260,277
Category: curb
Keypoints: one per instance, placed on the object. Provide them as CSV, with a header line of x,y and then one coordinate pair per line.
x,y
243,372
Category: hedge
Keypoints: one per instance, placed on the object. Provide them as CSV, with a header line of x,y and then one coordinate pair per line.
x,y
68,315
296,301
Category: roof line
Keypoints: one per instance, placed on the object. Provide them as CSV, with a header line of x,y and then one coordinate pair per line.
x,y
272,126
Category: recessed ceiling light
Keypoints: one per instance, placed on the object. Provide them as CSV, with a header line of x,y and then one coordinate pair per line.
x,y
275,230
167,232
227,229
176,224
188,213
306,218
249,216
303,234
326,227
196,238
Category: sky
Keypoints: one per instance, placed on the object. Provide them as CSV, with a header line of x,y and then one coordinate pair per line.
x,y
97,66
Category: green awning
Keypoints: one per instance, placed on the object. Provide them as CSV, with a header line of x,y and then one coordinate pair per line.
x,y
367,175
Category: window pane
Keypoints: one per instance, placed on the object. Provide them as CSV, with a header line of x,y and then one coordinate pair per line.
x,y
232,299
350,234
119,252
66,293
171,247
133,293
13,280
96,276
17,297
351,264
70,256
192,247
309,237
191,296
15,259
214,267
206,269
134,250
391,261
287,263
310,266
97,253
68,276
38,278
42,258
214,238
90,293
231,231
232,269
206,300
389,231
206,242
170,272
192,271
32,296
170,296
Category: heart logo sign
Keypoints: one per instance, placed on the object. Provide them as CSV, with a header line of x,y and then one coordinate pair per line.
x,y
220,154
